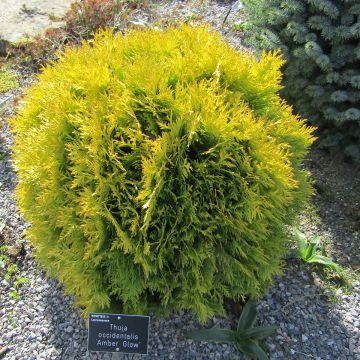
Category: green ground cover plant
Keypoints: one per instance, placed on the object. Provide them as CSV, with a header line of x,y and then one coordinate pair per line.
x,y
8,80
9,271
246,338
85,17
311,253
320,40
158,171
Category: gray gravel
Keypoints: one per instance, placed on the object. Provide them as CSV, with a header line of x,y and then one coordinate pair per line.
x,y
314,321
194,12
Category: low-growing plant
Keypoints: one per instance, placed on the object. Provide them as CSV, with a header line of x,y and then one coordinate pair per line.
x,y
3,261
246,338
310,252
85,17
8,80
159,169
10,318
14,295
3,249
36,51
238,26
20,281
11,271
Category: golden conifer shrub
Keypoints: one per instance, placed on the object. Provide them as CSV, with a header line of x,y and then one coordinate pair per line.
x,y
159,169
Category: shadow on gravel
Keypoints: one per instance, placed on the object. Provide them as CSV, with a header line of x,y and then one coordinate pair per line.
x,y
310,325
67,333
337,202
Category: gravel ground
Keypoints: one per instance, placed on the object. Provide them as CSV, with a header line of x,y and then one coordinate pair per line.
x,y
315,321
214,13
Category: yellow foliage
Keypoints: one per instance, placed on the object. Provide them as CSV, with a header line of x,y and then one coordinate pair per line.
x,y
160,166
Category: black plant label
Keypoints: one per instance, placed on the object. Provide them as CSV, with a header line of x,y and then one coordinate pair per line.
x,y
118,333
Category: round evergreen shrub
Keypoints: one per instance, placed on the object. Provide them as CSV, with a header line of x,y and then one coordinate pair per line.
x,y
320,40
158,171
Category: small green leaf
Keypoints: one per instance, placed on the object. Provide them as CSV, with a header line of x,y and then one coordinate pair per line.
x,y
312,247
301,241
319,259
214,334
259,332
248,316
252,348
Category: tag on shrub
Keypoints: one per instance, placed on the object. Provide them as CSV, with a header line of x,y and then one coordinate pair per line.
x,y
118,333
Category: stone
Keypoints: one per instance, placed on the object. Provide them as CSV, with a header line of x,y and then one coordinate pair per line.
x,y
69,329
16,250
29,17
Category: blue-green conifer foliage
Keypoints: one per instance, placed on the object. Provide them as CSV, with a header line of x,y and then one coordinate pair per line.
x,y
320,40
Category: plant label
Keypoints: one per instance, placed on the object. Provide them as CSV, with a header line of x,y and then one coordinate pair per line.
x,y
118,333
